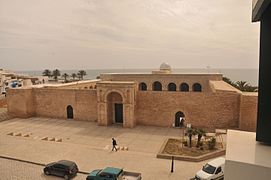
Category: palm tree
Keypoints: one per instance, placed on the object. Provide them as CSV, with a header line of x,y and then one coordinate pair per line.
x,y
56,73
65,76
47,72
200,133
190,132
73,75
242,85
81,74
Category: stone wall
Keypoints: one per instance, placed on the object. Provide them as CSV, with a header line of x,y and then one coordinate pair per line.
x,y
211,109
248,112
206,110
165,79
3,102
53,103
87,84
21,102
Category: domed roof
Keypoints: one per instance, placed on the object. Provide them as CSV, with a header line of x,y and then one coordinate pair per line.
x,y
165,66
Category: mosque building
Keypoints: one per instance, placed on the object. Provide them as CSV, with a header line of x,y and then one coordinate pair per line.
x,y
160,98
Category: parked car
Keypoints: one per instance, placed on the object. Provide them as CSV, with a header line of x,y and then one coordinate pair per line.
x,y
63,168
111,173
212,170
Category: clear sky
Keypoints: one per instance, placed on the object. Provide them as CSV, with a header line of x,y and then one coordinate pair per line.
x,y
103,34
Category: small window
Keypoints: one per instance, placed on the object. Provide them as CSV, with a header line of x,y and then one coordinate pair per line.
x,y
103,175
59,166
172,87
184,87
142,87
157,86
218,170
197,87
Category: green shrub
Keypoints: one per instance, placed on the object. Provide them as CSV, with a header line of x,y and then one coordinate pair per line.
x,y
212,143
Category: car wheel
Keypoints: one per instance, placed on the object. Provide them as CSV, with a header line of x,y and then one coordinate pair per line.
x,y
66,177
47,172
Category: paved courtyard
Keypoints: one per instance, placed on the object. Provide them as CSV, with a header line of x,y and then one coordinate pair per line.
x,y
90,146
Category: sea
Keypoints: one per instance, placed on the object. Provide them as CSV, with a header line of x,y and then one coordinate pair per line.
x,y
248,75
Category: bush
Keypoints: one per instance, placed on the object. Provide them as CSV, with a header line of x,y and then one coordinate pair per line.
x,y
212,143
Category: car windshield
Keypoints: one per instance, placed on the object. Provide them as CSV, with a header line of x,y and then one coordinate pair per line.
x,y
209,169
120,174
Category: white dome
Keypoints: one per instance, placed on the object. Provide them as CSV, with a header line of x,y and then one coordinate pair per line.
x,y
165,66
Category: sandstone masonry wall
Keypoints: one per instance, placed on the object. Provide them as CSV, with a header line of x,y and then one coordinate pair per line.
x,y
21,102
165,79
53,103
248,112
206,110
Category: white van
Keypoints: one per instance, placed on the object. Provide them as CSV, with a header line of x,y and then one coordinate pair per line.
x,y
212,170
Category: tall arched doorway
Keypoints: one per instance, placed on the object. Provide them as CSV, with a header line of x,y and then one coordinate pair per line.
x,y
114,108
69,112
179,119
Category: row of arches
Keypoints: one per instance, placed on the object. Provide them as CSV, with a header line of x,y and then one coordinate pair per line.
x,y
157,86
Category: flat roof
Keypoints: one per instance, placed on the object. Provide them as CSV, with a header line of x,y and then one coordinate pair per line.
x,y
174,74
116,82
242,147
112,170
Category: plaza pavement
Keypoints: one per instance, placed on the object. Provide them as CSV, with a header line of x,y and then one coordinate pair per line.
x,y
89,146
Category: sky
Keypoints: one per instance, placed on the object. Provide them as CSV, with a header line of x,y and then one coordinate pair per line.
x,y
112,34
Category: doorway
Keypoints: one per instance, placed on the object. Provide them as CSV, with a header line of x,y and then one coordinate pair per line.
x,y
179,119
118,113
69,112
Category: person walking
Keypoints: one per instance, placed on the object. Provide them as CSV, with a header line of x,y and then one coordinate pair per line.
x,y
114,143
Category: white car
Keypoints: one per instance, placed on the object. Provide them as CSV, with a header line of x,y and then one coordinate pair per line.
x,y
212,170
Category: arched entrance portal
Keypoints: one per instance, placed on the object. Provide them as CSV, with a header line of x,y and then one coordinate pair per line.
x,y
114,108
69,112
179,119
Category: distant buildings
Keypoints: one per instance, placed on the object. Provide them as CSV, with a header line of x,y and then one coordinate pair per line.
x,y
9,80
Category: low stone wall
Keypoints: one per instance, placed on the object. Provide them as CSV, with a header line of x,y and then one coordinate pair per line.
x,y
211,155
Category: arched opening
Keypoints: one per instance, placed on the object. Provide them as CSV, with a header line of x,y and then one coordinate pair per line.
x,y
69,112
90,87
171,87
114,108
143,87
179,119
184,87
157,86
197,87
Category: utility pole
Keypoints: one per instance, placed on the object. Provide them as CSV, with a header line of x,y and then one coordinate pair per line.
x,y
172,164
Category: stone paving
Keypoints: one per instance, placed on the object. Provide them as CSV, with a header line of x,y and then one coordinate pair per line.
x,y
90,146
